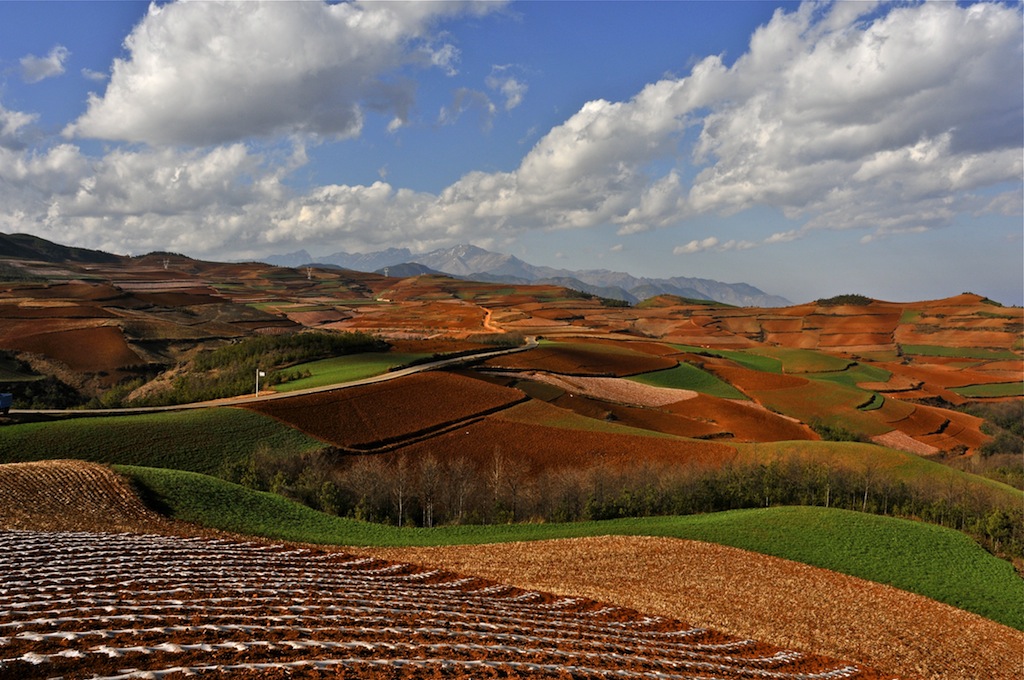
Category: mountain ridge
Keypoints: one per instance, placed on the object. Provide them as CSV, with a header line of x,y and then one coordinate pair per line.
x,y
472,262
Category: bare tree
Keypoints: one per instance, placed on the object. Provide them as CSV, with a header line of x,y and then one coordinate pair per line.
x,y
400,480
429,478
458,473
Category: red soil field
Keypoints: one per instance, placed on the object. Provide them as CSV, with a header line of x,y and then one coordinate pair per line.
x,y
856,323
59,311
754,595
962,430
749,380
149,606
519,433
96,349
179,299
910,335
941,376
838,340
922,420
807,339
580,359
14,330
654,419
746,422
73,291
384,413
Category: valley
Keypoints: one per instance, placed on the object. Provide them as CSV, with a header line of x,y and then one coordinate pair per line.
x,y
563,410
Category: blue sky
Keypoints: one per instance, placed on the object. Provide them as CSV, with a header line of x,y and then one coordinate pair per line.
x,y
807,149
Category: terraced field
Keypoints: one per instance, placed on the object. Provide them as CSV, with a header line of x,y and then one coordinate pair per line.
x,y
141,606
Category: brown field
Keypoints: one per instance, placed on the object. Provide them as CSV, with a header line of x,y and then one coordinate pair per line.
x,y
101,348
748,380
754,595
619,390
745,421
580,359
69,495
384,413
287,604
542,438
155,605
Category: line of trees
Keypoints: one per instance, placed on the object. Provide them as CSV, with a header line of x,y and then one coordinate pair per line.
x,y
229,371
432,490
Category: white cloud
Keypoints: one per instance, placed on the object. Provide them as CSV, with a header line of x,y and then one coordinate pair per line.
x,y
696,246
850,124
34,69
511,87
466,99
98,76
215,72
890,122
11,125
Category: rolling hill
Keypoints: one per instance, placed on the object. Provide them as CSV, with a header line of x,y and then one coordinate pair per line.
x,y
620,419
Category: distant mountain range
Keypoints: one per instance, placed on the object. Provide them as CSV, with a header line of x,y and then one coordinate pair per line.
x,y
471,262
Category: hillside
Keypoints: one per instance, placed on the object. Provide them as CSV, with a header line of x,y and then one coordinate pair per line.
x,y
583,410
476,264
700,583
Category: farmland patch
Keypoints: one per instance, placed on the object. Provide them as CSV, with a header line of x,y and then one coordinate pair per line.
x,y
579,358
201,440
385,413
168,604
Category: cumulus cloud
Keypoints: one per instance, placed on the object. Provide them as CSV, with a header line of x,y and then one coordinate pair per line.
x,y
852,125
696,246
842,116
34,69
11,125
838,117
217,72
466,99
511,87
90,74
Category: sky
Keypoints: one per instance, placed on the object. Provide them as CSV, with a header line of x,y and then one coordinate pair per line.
x,y
808,149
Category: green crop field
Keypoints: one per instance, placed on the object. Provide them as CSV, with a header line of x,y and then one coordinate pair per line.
x,y
858,373
803,360
929,560
828,402
894,464
201,440
1010,389
346,368
689,377
960,352
757,362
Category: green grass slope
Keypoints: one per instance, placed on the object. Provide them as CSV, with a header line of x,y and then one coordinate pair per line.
x,y
689,377
346,368
200,440
932,561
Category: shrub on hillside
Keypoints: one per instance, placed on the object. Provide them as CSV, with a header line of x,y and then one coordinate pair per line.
x,y
848,299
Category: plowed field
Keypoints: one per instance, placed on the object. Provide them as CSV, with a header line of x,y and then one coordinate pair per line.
x,y
384,413
141,606
102,605
84,349
767,598
746,421
541,437
584,359
70,495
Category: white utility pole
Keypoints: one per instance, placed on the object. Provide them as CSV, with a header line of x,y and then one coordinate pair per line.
x,y
259,374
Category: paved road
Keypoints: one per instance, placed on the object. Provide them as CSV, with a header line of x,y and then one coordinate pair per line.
x,y
531,342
